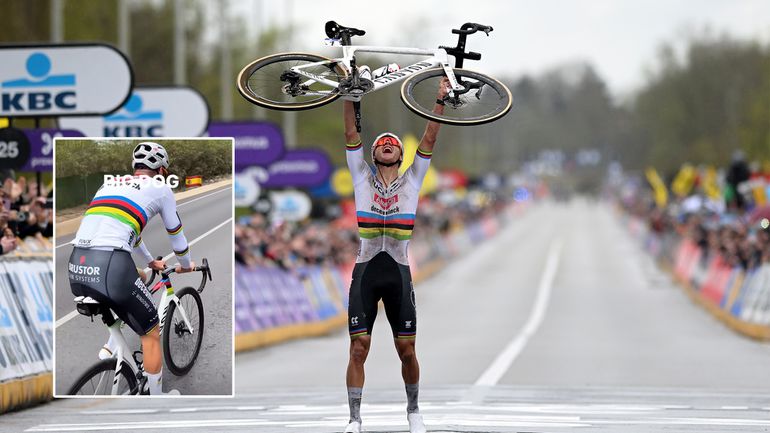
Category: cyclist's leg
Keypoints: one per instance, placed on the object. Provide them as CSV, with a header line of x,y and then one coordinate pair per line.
x,y
362,311
82,262
127,290
401,310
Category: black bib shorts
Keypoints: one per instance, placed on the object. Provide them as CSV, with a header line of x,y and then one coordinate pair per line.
x,y
110,277
382,278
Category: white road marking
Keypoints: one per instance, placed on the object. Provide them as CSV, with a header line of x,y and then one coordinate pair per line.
x,y
438,415
178,206
72,314
503,362
118,411
734,408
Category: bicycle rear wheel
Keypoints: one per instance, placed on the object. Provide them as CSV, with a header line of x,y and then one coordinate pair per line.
x,y
486,99
98,380
181,344
267,82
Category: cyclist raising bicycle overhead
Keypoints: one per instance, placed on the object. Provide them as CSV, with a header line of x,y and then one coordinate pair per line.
x,y
385,207
101,265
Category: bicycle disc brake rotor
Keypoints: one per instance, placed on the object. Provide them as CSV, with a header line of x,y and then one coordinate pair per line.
x,y
455,101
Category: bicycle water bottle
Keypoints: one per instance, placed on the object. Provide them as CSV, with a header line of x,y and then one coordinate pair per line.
x,y
384,70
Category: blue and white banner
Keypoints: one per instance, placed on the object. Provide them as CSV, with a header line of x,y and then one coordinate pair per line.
x,y
26,321
63,80
150,112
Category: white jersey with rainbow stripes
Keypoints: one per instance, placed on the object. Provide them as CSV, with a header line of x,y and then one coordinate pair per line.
x,y
118,213
385,215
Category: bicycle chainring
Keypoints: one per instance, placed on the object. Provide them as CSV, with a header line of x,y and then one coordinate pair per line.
x,y
347,86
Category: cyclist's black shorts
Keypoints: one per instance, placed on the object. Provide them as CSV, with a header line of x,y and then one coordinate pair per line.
x,y
382,278
110,277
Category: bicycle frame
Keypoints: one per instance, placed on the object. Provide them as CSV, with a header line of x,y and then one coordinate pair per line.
x,y
116,334
438,57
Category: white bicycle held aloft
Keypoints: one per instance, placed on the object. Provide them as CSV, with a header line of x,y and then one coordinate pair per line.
x,y
299,81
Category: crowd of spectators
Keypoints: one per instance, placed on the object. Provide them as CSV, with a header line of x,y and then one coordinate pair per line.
x,y
26,212
735,227
260,242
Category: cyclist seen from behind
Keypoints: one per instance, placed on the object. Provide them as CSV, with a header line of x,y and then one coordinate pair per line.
x,y
101,265
385,208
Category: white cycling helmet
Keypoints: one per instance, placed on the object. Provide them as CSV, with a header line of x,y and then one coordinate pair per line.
x,y
152,155
388,138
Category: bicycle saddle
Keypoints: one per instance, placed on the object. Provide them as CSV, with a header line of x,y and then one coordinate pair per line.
x,y
87,305
335,31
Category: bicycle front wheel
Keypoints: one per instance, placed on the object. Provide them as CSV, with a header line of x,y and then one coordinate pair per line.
x,y
99,378
483,99
270,83
182,342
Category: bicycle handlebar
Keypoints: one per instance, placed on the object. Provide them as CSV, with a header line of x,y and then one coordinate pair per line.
x,y
470,28
204,268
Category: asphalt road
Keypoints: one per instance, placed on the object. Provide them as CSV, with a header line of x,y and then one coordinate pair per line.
x,y
207,220
560,323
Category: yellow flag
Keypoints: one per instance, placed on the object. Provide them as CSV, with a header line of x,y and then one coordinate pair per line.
x,y
3,122
659,188
684,180
710,184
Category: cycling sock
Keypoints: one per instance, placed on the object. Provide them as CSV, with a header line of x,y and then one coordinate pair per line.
x,y
412,390
155,382
354,400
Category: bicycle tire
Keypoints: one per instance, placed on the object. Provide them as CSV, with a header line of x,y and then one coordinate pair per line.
x,y
500,105
104,366
176,329
247,74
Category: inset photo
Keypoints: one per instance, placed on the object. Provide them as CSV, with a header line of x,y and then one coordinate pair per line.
x,y
143,259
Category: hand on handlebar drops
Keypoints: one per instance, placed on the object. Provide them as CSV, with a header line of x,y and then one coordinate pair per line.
x,y
157,265
181,270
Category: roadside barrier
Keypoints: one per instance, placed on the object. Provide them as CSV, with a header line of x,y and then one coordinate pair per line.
x,y
26,330
273,305
737,297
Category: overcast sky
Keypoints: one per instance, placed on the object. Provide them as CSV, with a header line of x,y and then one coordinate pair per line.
x,y
620,38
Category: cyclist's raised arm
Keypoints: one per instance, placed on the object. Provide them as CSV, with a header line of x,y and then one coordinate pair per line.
x,y
174,229
431,130
419,167
354,149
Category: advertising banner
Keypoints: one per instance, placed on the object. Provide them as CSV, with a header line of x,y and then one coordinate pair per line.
x,y
256,143
63,80
26,333
41,147
300,169
150,112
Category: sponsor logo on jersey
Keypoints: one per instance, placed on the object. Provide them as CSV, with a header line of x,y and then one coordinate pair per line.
x,y
379,211
385,202
83,273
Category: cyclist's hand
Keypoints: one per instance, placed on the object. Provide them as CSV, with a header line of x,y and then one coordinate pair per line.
x,y
443,87
157,265
181,270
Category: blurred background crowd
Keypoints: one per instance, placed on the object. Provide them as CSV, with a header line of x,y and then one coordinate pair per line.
x,y
725,212
25,220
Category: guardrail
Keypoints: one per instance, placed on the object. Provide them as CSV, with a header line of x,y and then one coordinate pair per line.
x,y
26,330
273,305
739,298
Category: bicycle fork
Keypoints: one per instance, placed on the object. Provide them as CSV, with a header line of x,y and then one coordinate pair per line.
x,y
167,298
